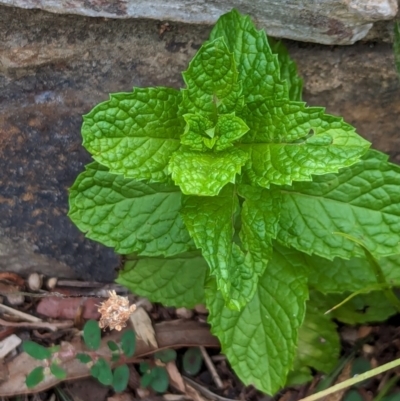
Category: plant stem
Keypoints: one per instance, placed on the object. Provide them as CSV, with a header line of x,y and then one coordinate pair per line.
x,y
352,381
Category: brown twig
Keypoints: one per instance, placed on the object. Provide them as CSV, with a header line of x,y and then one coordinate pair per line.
x,y
65,324
20,314
210,365
205,391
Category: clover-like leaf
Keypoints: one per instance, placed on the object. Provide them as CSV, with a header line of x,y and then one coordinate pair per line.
x,y
58,371
128,343
289,142
144,367
210,221
166,355
177,281
258,68
362,201
92,334
101,371
260,340
120,378
128,215
36,350
205,174
159,379
135,133
192,361
113,346
146,379
84,358
212,81
35,377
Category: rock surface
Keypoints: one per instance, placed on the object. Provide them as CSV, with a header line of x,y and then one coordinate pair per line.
x,y
319,21
54,68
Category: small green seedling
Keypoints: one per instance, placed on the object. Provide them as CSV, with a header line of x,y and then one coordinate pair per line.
x,y
154,375
100,367
192,361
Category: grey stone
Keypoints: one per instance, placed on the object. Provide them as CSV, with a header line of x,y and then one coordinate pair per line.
x,y
54,68
319,21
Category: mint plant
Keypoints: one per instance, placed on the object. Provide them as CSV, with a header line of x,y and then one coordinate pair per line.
x,y
233,193
100,367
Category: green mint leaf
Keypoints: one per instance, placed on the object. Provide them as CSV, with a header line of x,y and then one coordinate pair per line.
x,y
210,221
260,340
35,377
128,215
212,81
319,343
202,134
352,275
196,131
229,129
36,350
92,335
259,218
362,201
288,70
258,68
135,133
360,309
290,142
177,281
205,174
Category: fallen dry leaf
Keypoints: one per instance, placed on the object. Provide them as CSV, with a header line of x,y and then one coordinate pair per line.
x,y
9,344
177,382
143,326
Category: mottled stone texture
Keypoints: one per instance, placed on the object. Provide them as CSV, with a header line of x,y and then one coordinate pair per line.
x,y
319,21
54,68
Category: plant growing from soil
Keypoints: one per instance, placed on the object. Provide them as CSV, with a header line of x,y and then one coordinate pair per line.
x,y
233,193
54,357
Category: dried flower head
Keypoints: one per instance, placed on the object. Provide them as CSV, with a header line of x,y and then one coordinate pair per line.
x,y
115,312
